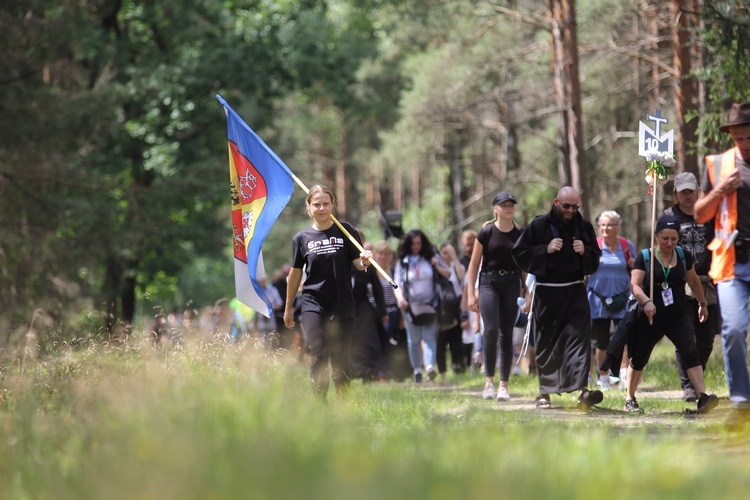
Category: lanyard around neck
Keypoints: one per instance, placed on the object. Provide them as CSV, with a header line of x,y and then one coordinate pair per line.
x,y
664,270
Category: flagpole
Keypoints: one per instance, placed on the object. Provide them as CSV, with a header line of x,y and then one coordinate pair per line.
x,y
350,237
653,246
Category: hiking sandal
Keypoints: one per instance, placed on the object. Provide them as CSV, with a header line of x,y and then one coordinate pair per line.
x,y
542,402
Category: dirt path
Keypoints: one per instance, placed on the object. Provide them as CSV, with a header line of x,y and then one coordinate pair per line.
x,y
563,407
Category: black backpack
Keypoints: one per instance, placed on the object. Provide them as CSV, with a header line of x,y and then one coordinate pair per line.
x,y
449,304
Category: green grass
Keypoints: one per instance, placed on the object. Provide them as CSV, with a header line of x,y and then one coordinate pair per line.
x,y
221,421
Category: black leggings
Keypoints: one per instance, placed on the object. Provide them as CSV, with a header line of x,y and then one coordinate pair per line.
x,y
704,337
329,340
601,331
451,338
498,306
678,328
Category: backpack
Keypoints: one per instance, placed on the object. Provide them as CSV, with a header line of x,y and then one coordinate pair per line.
x,y
623,244
647,255
448,303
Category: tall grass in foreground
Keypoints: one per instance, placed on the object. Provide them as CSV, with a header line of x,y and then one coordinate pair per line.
x,y
223,421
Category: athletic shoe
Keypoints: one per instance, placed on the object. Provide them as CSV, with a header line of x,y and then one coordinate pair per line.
x,y
489,391
587,399
431,374
707,402
689,395
502,393
542,402
418,378
603,382
631,406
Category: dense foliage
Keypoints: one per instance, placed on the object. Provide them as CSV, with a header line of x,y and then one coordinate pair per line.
x,y
113,183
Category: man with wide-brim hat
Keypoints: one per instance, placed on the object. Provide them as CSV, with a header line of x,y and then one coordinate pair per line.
x,y
726,200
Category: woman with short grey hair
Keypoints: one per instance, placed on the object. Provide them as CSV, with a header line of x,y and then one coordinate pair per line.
x,y
609,287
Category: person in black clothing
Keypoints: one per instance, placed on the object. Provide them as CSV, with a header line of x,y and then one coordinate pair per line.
x,y
560,248
369,340
286,335
327,302
694,239
500,285
450,335
666,313
396,352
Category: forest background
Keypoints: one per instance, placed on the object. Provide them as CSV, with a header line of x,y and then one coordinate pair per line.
x,y
113,162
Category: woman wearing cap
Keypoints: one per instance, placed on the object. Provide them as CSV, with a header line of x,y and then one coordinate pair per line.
x,y
609,287
666,313
499,288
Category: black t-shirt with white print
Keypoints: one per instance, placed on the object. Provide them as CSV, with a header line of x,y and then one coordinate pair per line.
x,y
326,257
694,238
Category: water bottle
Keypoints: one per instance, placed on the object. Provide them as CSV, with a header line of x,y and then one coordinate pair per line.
x,y
521,302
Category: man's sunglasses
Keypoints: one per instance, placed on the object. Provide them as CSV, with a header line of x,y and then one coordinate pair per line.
x,y
568,206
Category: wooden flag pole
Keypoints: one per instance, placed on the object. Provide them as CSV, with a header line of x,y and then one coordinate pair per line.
x,y
350,237
653,245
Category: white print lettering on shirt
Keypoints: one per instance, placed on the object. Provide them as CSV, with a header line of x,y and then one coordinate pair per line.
x,y
323,247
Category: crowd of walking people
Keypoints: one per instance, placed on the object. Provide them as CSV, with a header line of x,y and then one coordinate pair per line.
x,y
594,305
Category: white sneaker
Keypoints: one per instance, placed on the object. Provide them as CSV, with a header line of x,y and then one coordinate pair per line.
x,y
489,391
603,382
502,393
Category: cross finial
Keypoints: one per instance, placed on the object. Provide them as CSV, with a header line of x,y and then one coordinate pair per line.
x,y
658,120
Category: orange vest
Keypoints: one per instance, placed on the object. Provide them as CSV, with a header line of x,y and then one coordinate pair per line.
x,y
725,220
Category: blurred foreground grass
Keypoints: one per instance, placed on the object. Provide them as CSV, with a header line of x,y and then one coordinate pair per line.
x,y
222,421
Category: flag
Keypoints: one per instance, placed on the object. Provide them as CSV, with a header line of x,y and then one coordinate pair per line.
x,y
261,186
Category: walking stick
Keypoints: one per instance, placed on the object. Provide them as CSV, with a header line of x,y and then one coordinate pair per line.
x,y
527,335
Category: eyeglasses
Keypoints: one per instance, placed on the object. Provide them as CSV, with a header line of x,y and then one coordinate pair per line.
x,y
568,206
608,226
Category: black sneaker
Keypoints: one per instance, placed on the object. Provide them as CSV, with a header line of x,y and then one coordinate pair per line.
x,y
689,395
631,406
707,402
418,378
587,399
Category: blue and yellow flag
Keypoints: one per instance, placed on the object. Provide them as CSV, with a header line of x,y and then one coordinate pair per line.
x,y
261,186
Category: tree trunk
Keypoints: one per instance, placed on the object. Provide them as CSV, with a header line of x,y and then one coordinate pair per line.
x,y
567,82
558,61
127,297
654,95
686,90
112,276
455,181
